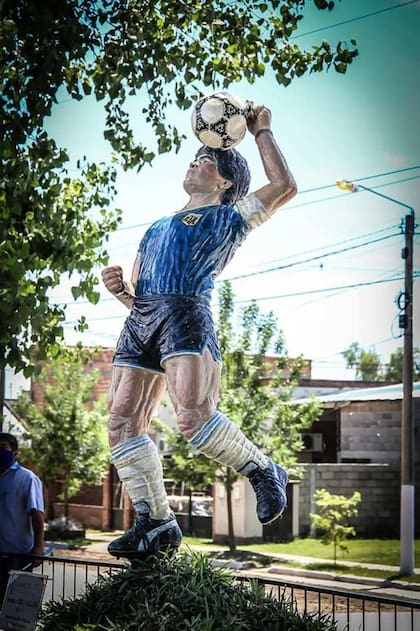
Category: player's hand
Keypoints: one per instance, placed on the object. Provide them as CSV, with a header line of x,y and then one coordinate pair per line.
x,y
112,278
258,118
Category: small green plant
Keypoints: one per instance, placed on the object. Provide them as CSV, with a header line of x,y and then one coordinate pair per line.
x,y
332,516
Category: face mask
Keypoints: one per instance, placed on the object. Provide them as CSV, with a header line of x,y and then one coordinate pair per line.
x,y
6,458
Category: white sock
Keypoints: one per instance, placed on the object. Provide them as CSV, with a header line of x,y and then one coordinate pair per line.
x,y
223,441
138,464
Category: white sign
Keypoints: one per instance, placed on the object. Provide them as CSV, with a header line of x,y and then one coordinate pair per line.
x,y
22,601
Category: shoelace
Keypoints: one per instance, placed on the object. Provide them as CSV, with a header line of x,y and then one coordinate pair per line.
x,y
260,484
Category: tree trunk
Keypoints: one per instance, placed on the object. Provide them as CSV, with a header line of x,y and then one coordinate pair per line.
x,y
66,503
49,498
231,532
190,515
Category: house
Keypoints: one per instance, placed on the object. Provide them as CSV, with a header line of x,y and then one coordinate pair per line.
x,y
357,446
361,425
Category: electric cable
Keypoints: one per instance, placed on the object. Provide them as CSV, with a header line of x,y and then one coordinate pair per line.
x,y
311,259
288,295
355,19
323,290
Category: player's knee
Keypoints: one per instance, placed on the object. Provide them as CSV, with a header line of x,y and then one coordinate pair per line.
x,y
122,407
191,421
188,421
116,427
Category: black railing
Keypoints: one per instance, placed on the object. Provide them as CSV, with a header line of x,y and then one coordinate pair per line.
x,y
351,610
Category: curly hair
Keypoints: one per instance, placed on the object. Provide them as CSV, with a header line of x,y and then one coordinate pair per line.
x,y
233,167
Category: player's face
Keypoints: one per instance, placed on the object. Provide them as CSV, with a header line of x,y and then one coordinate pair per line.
x,y
202,175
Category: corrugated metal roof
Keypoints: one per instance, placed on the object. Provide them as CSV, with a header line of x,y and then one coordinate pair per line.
x,y
384,393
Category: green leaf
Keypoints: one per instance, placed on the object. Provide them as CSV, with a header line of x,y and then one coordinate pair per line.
x,y
76,292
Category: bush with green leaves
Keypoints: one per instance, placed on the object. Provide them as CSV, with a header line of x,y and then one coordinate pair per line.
x,y
177,594
332,516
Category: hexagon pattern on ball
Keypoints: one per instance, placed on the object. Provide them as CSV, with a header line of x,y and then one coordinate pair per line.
x,y
219,120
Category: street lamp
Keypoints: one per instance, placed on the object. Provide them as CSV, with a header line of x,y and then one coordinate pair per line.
x,y
407,536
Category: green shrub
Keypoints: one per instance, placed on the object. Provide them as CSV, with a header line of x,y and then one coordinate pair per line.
x,y
181,594
332,516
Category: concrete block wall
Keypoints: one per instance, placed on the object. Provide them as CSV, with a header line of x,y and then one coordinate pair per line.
x,y
371,431
378,484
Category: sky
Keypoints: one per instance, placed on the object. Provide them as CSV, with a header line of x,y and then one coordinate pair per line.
x,y
324,263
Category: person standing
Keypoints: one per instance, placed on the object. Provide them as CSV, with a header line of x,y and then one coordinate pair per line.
x,y
168,340
21,513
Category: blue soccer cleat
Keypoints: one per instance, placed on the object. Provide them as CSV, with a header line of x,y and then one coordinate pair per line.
x,y
147,537
269,485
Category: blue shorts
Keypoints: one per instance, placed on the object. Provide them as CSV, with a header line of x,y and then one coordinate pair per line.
x,y
160,327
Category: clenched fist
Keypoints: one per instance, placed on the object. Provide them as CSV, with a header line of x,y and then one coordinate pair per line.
x,y
112,278
258,118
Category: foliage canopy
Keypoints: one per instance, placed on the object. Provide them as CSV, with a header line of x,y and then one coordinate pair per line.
x,y
54,222
369,367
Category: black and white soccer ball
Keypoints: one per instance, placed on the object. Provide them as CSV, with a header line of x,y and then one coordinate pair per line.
x,y
219,120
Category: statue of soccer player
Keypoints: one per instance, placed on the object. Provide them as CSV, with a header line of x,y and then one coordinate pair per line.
x,y
168,339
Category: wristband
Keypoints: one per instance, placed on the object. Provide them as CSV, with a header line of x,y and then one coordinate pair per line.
x,y
123,292
262,131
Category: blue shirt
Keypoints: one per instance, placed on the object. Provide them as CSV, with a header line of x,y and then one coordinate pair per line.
x,y
20,492
183,253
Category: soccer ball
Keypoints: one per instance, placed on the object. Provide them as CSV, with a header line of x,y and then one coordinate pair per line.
x,y
219,120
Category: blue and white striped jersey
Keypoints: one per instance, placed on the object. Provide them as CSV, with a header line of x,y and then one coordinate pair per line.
x,y
183,253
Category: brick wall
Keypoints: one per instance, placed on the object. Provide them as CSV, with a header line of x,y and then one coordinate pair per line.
x,y
84,514
100,361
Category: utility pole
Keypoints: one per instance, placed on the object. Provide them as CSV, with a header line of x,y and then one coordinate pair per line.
x,y
407,412
407,425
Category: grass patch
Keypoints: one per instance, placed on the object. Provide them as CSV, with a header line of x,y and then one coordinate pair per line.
x,y
382,551
374,551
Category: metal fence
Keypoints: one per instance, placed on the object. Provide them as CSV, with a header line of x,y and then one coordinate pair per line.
x,y
351,610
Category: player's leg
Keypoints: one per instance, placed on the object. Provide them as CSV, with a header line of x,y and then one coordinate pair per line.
x,y
133,398
193,383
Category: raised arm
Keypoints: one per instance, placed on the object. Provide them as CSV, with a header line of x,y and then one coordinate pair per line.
x,y
281,185
112,278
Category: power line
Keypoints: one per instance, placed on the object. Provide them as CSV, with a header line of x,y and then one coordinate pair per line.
x,y
331,245
289,295
326,289
340,195
358,179
313,258
316,189
355,19
319,298
368,234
